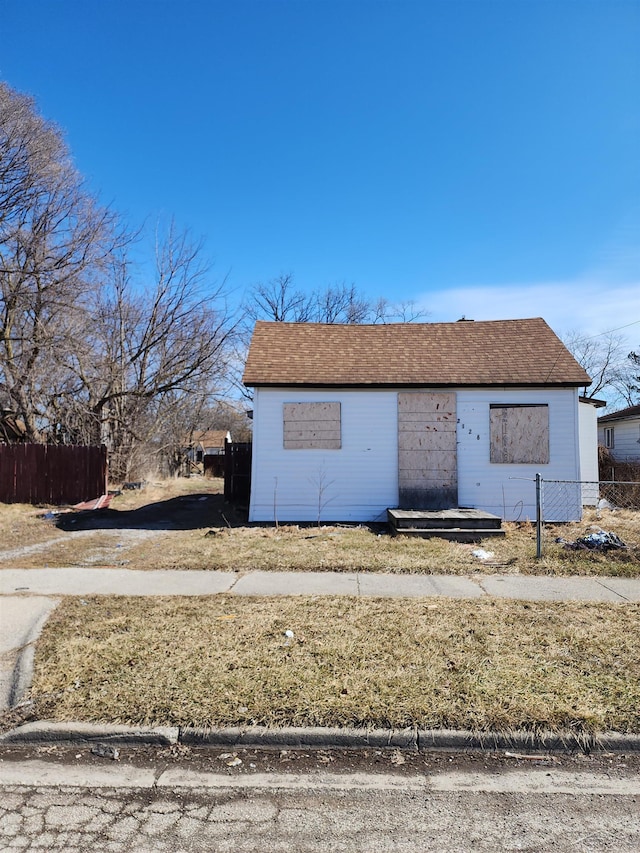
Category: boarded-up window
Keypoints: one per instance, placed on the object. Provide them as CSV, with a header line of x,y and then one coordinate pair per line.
x,y
312,426
520,434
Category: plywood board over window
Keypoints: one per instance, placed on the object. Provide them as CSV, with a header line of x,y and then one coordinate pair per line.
x,y
312,426
520,434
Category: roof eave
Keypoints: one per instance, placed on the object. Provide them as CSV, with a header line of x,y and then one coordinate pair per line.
x,y
401,384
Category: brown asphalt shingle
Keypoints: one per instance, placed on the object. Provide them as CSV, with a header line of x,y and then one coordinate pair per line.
x,y
497,352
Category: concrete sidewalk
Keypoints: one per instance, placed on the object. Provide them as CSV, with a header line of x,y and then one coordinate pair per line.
x,y
21,621
28,596
75,581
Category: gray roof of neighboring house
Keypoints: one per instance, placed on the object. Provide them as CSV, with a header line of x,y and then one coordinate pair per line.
x,y
629,412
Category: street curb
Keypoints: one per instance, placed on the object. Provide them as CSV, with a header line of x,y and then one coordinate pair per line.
x,y
79,734
45,731
23,666
300,738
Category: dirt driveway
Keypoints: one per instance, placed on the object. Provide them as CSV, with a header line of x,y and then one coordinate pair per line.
x,y
185,512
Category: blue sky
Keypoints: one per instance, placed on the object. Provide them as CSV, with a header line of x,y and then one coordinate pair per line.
x,y
482,158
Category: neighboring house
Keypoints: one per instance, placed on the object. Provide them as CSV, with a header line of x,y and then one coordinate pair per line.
x,y
208,442
619,432
206,448
351,420
588,431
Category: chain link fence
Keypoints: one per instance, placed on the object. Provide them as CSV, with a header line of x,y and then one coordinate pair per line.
x,y
559,501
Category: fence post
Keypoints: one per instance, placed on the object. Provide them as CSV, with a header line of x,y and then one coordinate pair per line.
x,y
538,516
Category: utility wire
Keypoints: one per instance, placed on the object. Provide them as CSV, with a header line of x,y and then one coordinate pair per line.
x,y
599,335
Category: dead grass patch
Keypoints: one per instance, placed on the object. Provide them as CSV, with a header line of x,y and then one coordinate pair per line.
x,y
162,490
485,665
293,548
219,539
20,526
349,549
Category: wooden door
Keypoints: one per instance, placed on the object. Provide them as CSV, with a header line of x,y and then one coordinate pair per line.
x,y
427,464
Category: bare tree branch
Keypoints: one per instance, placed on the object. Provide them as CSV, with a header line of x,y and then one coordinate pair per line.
x,y
604,357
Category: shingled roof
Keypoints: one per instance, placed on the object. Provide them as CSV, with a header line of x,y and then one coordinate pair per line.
x,y
497,352
629,412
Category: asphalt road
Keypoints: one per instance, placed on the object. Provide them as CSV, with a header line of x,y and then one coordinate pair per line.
x,y
370,801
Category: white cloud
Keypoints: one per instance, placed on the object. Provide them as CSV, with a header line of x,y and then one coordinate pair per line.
x,y
589,307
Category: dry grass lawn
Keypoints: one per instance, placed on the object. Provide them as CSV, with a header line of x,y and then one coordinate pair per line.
x,y
220,540
20,526
362,549
486,665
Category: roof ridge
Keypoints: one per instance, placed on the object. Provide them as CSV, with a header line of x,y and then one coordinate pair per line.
x,y
480,353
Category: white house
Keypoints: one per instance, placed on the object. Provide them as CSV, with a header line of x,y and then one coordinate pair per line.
x,y
619,432
350,420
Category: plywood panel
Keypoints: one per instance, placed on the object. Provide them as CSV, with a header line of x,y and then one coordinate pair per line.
x,y
311,426
519,434
427,465
440,404
313,444
313,412
443,422
425,439
312,431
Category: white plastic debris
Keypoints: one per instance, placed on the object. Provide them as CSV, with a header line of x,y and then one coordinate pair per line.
x,y
230,759
481,554
603,503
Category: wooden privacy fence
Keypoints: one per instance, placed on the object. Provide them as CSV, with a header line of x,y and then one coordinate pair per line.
x,y
237,471
51,473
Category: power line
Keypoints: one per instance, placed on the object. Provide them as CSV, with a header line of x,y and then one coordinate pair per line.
x,y
599,335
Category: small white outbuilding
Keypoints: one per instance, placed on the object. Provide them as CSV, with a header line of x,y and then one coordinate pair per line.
x,y
350,420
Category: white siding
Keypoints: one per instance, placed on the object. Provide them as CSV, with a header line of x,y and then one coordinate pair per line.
x,y
355,483
589,453
359,481
506,489
626,439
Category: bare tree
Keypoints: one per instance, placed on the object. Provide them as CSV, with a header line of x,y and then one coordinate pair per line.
x,y
89,351
54,238
341,303
407,311
604,357
278,300
158,353
634,382
229,415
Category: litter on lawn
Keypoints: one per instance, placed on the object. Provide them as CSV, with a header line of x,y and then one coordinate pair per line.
x,y
481,554
601,541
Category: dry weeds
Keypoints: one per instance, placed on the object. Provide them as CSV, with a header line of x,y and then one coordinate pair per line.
x,y
162,490
485,665
222,541
21,524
